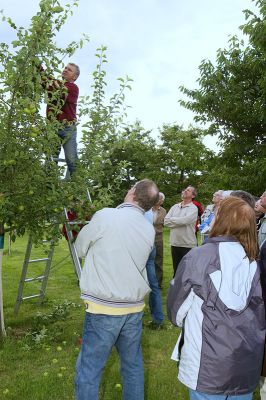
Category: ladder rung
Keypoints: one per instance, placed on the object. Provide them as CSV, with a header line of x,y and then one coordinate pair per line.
x,y
39,260
31,297
59,159
38,278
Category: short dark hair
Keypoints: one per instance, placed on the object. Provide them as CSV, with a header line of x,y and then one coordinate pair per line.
x,y
146,194
246,196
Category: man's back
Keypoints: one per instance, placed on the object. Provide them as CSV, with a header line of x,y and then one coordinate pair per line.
x,y
117,243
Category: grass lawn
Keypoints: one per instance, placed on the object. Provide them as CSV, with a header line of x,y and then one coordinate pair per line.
x,y
37,359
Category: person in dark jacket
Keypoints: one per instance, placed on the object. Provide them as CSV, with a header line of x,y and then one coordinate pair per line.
x,y
262,263
216,297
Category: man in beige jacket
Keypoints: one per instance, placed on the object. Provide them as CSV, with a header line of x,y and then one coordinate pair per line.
x,y
181,220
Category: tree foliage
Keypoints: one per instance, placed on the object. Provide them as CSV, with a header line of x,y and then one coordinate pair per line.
x,y
231,99
183,160
33,193
100,132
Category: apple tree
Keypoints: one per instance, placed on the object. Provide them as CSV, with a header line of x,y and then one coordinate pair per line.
x,y
32,192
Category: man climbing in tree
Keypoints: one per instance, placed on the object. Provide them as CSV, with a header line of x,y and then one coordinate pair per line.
x,y
63,107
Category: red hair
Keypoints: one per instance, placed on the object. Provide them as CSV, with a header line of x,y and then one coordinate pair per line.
x,y
236,218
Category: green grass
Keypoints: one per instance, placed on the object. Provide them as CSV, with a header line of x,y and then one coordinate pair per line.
x,y
32,368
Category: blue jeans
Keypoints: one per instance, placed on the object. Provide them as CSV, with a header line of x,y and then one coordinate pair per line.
x,y
195,395
100,334
155,300
68,137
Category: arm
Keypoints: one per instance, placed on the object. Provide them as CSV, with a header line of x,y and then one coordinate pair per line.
x,y
49,82
72,93
168,217
88,235
173,222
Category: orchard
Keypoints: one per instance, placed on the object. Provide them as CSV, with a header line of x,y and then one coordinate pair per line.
x,y
229,102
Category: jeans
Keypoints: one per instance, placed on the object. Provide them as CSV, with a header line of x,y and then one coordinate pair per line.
x,y
195,395
159,262
100,334
155,300
68,137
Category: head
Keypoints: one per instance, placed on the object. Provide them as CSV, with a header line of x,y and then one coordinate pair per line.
x,y
263,201
159,202
71,72
258,208
189,193
236,218
144,193
217,197
226,193
161,198
247,197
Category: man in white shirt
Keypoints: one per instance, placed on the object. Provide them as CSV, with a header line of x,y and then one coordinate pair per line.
x,y
181,220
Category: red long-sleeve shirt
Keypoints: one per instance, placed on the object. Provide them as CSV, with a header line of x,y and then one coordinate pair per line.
x,y
69,110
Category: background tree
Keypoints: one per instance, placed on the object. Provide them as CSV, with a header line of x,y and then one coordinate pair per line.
x,y
231,98
102,127
183,160
136,151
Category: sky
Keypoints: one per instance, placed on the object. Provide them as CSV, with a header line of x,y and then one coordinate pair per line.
x,y
158,43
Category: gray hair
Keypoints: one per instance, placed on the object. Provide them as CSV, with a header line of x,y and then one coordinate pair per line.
x,y
161,196
77,69
194,190
246,196
226,193
146,194
220,193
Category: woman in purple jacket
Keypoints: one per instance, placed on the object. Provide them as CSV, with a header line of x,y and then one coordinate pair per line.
x,y
216,298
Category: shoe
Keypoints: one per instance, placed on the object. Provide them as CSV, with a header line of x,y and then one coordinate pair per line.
x,y
155,325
